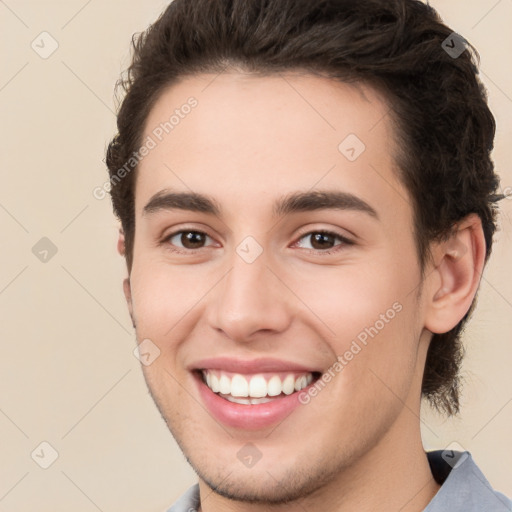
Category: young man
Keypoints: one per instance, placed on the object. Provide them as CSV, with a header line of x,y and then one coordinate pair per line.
x,y
307,203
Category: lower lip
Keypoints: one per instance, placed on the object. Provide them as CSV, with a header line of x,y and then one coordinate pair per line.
x,y
247,417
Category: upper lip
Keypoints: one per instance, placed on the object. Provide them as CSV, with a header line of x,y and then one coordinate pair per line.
x,y
250,366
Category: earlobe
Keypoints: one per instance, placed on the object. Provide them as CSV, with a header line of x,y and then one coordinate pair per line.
x,y
456,276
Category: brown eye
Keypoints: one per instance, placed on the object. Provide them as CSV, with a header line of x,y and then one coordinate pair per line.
x,y
188,239
323,241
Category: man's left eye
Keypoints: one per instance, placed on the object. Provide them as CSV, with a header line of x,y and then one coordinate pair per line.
x,y
324,240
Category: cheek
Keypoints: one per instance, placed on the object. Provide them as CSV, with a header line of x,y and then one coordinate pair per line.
x,y
163,295
351,298
371,320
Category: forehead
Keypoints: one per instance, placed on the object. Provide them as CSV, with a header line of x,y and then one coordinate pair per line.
x,y
247,137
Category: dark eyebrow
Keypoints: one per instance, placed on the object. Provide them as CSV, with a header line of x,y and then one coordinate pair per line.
x,y
320,200
191,201
292,203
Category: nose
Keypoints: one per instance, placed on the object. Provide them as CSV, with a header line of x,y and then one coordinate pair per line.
x,y
251,300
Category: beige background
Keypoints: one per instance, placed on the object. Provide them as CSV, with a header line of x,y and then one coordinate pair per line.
x,y
67,369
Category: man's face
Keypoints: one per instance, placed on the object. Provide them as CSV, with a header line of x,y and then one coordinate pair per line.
x,y
261,301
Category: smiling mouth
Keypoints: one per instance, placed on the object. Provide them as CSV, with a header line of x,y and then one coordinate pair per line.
x,y
258,388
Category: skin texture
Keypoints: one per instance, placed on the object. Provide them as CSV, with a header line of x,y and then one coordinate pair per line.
x,y
250,141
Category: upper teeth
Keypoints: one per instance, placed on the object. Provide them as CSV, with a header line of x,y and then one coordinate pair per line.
x,y
255,386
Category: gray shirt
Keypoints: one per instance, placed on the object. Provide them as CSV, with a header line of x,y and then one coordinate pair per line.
x,y
464,488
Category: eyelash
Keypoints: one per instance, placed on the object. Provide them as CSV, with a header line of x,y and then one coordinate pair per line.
x,y
345,241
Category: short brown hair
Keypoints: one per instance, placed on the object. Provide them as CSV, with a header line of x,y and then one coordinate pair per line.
x,y
438,107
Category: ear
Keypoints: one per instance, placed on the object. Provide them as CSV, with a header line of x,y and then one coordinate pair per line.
x,y
454,281
121,247
128,296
